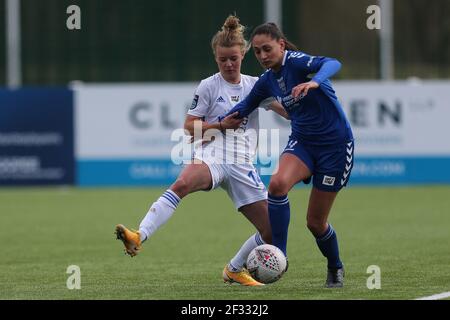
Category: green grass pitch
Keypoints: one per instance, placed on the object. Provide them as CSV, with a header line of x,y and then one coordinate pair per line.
x,y
403,230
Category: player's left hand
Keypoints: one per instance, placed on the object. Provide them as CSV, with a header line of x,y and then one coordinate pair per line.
x,y
303,88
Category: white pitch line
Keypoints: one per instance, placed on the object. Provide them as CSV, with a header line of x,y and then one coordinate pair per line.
x,y
442,295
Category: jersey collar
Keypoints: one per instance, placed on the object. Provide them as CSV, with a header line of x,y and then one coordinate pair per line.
x,y
231,85
284,58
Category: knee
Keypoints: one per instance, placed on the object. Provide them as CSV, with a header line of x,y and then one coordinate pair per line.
x,y
180,187
316,226
278,187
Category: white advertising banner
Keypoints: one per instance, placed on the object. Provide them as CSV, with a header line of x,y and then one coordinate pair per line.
x,y
129,121
398,118
401,131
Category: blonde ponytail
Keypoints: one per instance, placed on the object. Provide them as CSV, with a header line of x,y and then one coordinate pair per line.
x,y
231,34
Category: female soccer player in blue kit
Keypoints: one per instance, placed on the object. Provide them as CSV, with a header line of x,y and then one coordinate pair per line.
x,y
321,142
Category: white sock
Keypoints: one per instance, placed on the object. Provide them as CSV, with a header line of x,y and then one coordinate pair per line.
x,y
237,263
159,213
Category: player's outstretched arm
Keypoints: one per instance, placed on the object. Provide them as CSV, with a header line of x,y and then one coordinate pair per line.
x,y
193,123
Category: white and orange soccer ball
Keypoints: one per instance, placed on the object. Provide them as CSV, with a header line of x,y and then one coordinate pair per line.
x,y
266,263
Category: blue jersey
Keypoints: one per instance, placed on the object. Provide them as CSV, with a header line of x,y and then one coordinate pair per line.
x,y
317,118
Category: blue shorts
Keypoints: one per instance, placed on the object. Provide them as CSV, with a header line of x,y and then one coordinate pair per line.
x,y
330,165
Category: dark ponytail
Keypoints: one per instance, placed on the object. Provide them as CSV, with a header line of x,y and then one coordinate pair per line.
x,y
274,32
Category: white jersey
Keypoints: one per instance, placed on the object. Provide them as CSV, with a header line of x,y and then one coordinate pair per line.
x,y
214,97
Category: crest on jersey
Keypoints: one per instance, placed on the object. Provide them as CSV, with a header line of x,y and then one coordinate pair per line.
x,y
235,98
194,102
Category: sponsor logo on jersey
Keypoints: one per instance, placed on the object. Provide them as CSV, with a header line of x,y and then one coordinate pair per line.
x,y
289,102
194,102
328,181
235,98
282,85
220,99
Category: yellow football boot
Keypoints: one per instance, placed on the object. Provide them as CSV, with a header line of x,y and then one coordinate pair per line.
x,y
242,277
130,238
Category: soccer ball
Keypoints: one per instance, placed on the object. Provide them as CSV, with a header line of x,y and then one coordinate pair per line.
x,y
266,263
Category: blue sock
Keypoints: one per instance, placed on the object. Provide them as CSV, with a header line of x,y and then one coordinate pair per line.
x,y
328,245
279,214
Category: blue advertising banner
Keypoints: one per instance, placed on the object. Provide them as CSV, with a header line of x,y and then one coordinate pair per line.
x,y
163,172
36,136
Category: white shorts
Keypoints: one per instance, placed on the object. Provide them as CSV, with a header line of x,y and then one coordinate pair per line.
x,y
241,181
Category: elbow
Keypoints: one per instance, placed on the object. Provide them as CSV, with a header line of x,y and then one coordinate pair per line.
x,y
336,64
332,62
188,128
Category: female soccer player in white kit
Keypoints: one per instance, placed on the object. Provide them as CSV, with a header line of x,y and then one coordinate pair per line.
x,y
226,161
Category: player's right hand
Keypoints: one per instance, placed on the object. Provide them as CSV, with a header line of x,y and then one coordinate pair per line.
x,y
230,122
